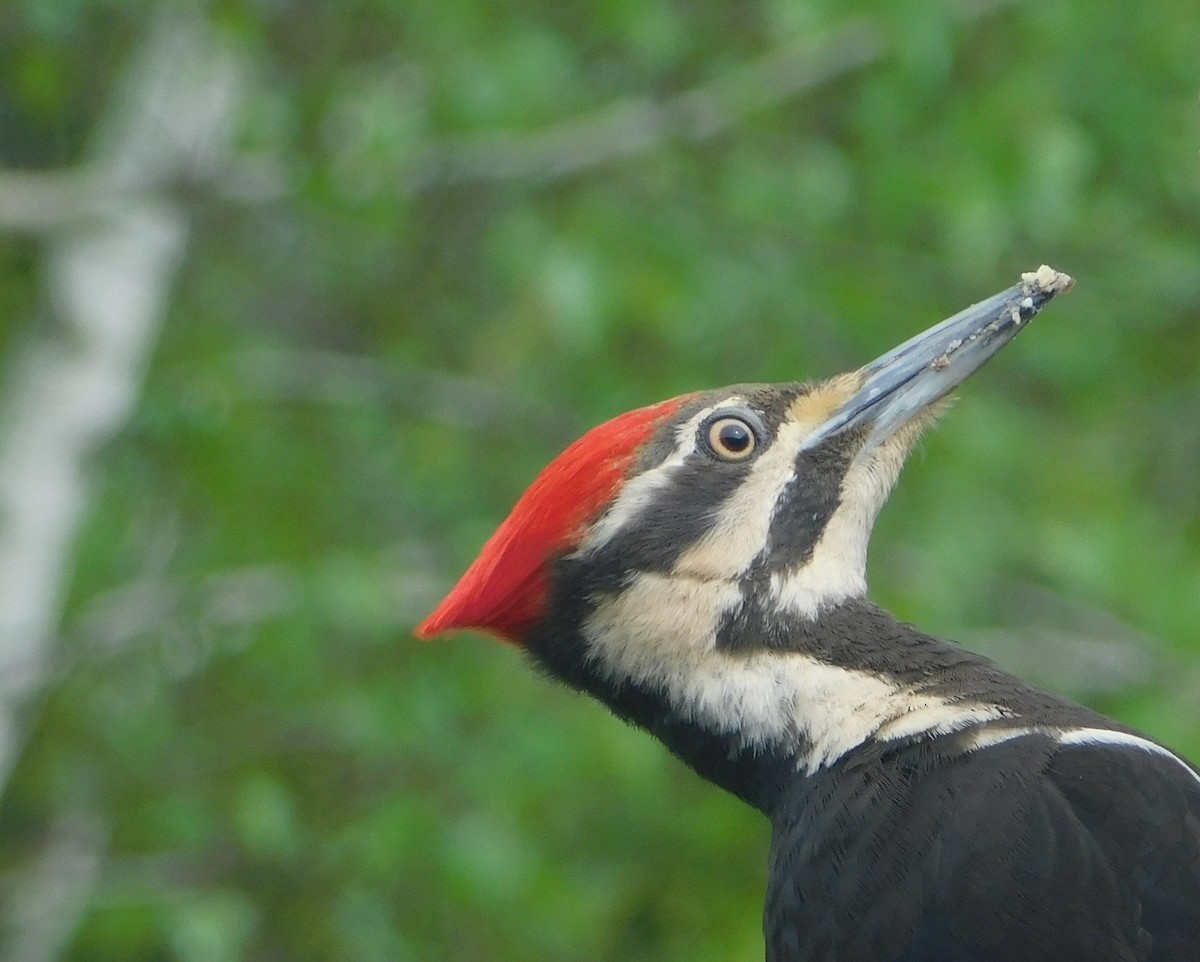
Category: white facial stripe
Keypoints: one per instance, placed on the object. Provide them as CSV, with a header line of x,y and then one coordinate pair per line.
x,y
660,631
739,533
640,490
1079,736
837,569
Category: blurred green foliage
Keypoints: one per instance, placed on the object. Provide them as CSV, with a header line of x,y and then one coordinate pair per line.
x,y
466,252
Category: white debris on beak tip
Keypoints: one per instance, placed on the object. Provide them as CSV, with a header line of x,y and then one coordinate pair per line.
x,y
1047,279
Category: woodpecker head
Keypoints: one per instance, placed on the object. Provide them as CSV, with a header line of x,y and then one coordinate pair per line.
x,y
768,484
671,538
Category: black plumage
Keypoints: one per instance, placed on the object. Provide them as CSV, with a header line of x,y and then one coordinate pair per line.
x,y
1025,850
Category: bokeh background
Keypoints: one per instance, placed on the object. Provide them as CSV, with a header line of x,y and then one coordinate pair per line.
x,y
296,298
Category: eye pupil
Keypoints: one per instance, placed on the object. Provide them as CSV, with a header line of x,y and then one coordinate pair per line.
x,y
731,439
734,437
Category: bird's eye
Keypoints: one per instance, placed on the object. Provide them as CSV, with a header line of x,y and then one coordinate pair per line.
x,y
731,438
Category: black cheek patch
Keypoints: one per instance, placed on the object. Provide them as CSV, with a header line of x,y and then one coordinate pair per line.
x,y
680,512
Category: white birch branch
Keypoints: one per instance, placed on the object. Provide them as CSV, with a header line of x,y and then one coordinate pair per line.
x,y
109,270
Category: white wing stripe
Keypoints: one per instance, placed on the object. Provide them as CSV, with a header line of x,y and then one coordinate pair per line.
x,y
990,737
1102,736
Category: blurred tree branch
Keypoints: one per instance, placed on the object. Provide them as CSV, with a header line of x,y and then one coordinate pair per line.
x,y
39,200
47,900
639,124
346,379
107,278
109,269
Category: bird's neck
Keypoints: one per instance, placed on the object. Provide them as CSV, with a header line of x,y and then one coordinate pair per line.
x,y
753,702
715,749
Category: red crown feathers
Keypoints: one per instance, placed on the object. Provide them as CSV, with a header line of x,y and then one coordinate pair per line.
x,y
504,590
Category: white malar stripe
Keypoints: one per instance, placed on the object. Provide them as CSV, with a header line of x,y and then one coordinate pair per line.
x,y
660,633
1103,736
639,491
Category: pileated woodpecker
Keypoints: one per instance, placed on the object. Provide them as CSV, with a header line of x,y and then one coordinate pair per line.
x,y
699,567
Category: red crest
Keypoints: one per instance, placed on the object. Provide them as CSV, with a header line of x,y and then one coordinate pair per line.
x,y
504,590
